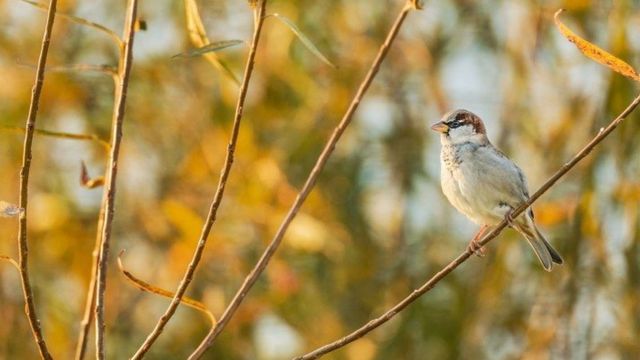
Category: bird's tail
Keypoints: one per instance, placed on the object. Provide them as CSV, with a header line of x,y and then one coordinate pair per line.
x,y
544,251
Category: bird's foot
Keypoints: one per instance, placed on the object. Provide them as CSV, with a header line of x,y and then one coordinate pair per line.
x,y
474,244
475,247
509,218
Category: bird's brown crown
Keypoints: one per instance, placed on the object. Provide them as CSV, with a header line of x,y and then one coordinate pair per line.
x,y
463,117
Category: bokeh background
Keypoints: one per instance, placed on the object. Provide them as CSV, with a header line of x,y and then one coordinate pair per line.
x,y
376,226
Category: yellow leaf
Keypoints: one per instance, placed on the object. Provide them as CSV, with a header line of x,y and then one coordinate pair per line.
x,y
145,286
595,53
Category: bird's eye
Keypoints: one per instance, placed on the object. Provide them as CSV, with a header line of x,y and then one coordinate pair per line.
x,y
454,124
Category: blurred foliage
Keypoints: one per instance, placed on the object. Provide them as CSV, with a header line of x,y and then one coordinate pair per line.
x,y
376,226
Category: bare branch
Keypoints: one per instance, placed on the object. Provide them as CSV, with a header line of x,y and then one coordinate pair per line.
x,y
217,199
23,244
306,189
87,317
431,283
10,261
80,21
126,59
104,69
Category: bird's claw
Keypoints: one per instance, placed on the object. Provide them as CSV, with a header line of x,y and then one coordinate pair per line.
x,y
509,218
475,247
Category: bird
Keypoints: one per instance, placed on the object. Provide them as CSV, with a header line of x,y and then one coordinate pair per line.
x,y
482,183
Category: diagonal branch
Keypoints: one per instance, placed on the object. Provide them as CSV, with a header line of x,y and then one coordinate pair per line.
x,y
306,189
259,12
431,283
126,59
23,245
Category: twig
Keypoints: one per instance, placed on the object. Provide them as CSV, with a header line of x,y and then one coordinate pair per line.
x,y
124,69
81,21
217,199
306,189
23,245
104,69
62,135
87,317
431,283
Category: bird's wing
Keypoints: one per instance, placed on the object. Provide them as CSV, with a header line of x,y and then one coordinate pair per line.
x,y
498,179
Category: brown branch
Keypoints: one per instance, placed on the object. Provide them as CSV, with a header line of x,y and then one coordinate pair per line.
x,y
124,69
23,245
259,12
431,283
306,189
87,317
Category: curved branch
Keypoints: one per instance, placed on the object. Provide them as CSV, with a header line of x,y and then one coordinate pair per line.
x,y
126,60
23,244
80,21
431,283
147,287
217,199
306,189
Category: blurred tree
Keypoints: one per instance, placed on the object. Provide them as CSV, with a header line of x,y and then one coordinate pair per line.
x,y
375,226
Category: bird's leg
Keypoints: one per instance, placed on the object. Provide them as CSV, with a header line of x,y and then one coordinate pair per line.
x,y
474,245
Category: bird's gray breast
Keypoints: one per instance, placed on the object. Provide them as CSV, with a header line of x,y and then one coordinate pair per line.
x,y
456,171
477,179
454,154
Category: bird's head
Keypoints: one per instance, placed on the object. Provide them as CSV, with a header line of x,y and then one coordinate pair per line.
x,y
461,126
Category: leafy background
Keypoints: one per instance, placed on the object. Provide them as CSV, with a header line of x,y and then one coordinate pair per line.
x,y
376,225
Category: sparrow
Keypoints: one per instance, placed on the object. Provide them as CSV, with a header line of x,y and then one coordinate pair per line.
x,y
484,184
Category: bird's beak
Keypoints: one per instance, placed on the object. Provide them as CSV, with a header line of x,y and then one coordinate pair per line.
x,y
440,127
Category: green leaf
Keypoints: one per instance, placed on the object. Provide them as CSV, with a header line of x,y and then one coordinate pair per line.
x,y
198,37
216,46
303,38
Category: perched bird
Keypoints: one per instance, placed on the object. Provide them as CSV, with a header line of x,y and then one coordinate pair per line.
x,y
483,184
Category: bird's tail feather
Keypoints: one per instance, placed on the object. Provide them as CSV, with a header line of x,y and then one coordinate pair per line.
x,y
555,256
543,250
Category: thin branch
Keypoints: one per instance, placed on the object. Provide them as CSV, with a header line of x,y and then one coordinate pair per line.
x,y
104,69
62,135
81,21
431,283
11,261
259,12
87,317
23,245
126,59
306,189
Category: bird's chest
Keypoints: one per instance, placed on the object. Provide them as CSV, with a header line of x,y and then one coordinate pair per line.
x,y
458,177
